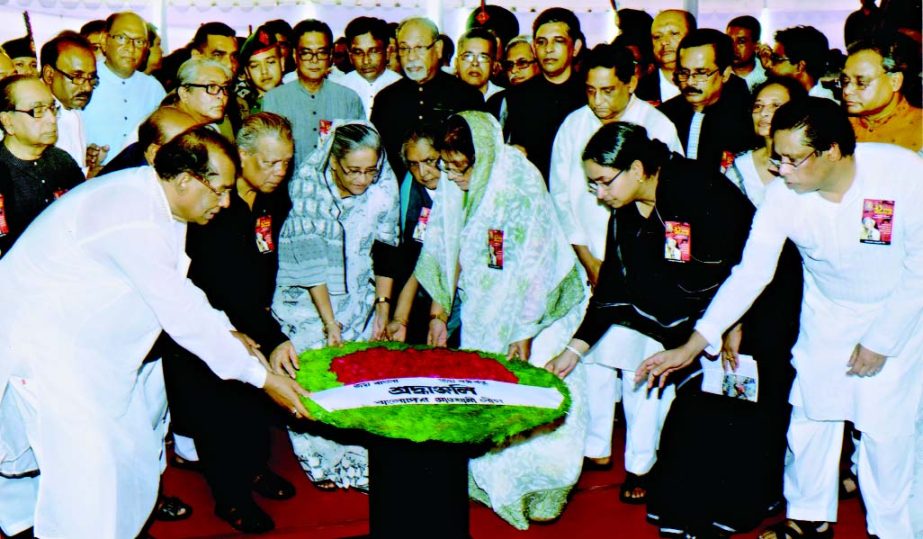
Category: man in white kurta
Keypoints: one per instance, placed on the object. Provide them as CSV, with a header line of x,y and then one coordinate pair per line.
x,y
86,290
69,71
860,349
125,95
585,221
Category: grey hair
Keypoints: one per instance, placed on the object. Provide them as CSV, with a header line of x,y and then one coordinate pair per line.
x,y
263,124
423,21
527,39
190,69
351,137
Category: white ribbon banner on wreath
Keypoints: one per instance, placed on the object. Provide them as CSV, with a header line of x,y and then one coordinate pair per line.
x,y
431,391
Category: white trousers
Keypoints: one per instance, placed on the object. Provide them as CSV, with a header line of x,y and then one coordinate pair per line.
x,y
602,394
812,477
645,412
916,492
17,494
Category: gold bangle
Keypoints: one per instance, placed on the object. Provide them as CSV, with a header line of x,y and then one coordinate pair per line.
x,y
439,316
382,299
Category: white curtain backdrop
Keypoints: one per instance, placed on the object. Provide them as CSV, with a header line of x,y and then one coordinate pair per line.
x,y
178,19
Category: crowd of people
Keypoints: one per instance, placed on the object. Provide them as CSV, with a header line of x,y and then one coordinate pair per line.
x,y
623,215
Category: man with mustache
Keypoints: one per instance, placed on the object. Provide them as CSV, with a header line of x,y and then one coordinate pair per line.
x,y
234,261
535,109
312,103
711,115
368,47
85,293
69,70
22,52
33,173
667,30
426,96
125,96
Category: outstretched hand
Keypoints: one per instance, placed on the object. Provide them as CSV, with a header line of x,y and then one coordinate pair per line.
x,y
659,366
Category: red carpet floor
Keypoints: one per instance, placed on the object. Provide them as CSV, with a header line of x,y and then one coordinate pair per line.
x,y
594,511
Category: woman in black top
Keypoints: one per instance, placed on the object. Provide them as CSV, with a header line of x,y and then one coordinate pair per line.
x,y
676,231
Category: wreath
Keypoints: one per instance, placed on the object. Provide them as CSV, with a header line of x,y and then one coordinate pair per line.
x,y
352,363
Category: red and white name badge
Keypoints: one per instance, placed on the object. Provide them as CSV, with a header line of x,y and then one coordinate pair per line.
x,y
495,249
727,161
323,127
677,246
263,231
877,221
4,226
420,229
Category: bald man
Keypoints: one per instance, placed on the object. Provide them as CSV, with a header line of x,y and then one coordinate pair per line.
x,y
125,95
667,30
160,127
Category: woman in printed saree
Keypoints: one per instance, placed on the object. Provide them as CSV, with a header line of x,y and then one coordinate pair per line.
x,y
495,257
344,216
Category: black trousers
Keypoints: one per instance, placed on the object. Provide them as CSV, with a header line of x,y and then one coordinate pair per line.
x,y
229,421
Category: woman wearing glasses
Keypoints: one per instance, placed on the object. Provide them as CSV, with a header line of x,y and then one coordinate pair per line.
x,y
496,259
676,231
344,213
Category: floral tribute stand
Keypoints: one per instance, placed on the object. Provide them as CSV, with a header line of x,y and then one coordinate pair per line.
x,y
428,410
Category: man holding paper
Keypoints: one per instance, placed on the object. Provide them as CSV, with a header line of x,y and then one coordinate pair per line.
x,y
860,348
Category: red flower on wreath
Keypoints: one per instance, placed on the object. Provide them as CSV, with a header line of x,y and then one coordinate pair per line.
x,y
379,364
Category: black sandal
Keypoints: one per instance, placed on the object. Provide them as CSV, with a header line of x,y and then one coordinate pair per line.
x,y
171,509
269,484
808,530
246,517
632,482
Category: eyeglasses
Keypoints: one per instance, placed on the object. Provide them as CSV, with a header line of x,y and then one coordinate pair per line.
x,y
429,163
79,80
443,166
472,58
859,83
419,50
778,58
311,55
683,75
522,63
357,173
211,89
777,164
40,111
122,40
594,185
220,193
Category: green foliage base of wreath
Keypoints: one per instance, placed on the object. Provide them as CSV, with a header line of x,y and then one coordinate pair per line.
x,y
419,423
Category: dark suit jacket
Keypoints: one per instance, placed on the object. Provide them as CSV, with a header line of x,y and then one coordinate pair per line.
x,y
727,126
